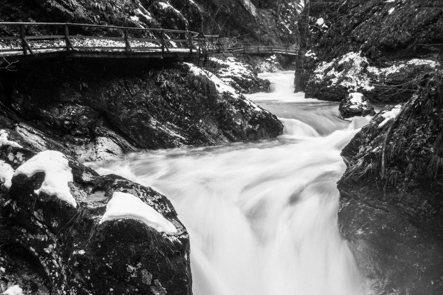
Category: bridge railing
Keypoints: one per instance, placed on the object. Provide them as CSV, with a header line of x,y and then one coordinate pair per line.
x,y
25,39
215,43
262,50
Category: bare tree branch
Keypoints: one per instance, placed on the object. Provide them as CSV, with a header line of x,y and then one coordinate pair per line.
x,y
8,65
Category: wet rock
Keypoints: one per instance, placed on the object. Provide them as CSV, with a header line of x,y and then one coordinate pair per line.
x,y
125,106
355,104
391,210
57,240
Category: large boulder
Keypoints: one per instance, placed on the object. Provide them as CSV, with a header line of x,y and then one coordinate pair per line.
x,y
67,230
391,205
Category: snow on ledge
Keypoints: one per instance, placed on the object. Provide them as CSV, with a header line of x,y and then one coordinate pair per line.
x,y
389,115
4,139
6,173
13,290
128,206
57,174
356,97
219,84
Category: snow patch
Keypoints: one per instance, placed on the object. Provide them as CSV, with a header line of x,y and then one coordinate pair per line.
x,y
127,206
6,173
13,290
4,139
353,77
219,84
356,98
57,174
311,54
389,115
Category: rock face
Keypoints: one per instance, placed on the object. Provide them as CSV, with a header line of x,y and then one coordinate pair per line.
x,y
355,104
272,23
103,109
59,237
138,13
250,21
391,205
381,30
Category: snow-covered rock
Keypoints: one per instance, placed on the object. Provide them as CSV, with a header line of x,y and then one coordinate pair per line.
x,y
352,72
119,235
238,74
355,104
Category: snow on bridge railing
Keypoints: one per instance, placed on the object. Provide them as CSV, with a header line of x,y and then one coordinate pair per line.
x,y
262,50
23,39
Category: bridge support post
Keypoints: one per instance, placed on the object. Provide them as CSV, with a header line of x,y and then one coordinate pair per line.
x,y
189,41
67,40
25,44
162,36
127,44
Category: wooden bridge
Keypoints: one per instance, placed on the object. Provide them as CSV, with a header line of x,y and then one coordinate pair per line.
x,y
74,40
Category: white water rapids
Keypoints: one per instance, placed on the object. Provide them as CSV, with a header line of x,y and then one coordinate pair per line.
x,y
262,216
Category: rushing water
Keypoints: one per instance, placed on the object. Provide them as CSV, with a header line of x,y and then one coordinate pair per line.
x,y
262,216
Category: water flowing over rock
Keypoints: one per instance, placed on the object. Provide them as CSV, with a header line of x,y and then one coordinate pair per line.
x,y
391,209
55,240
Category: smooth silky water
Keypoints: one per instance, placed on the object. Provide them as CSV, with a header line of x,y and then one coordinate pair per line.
x,y
262,216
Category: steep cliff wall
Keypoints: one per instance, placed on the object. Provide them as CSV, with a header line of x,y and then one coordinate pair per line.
x,y
391,206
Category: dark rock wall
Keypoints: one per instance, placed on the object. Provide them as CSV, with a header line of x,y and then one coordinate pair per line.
x,y
380,29
139,104
391,206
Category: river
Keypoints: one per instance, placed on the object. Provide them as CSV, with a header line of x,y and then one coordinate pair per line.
x,y
262,216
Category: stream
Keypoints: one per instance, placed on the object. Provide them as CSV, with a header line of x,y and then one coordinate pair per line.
x,y
262,216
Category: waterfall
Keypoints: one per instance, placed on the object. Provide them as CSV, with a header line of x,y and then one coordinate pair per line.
x,y
262,216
